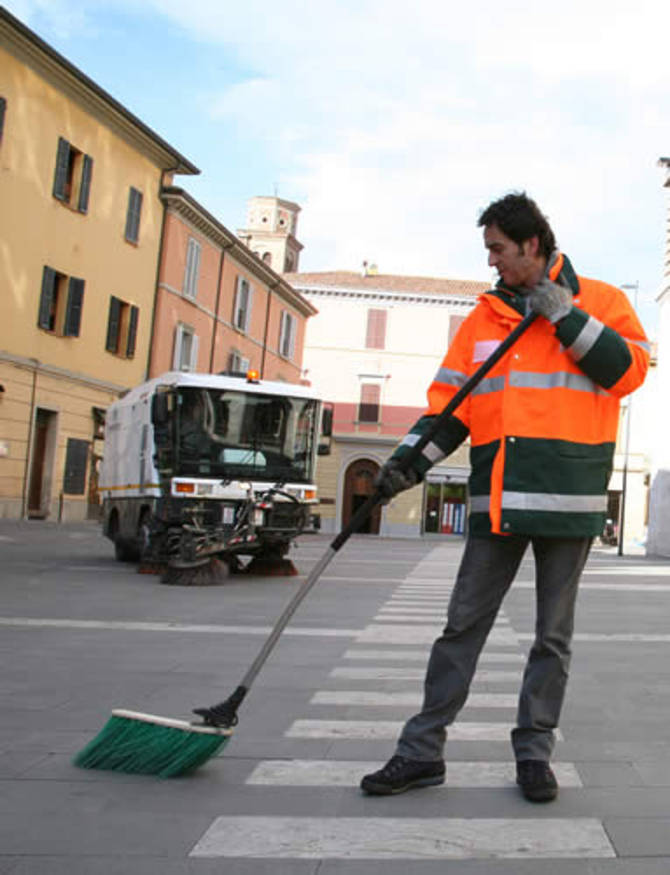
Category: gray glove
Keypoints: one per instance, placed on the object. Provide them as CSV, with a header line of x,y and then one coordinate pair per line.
x,y
390,480
550,300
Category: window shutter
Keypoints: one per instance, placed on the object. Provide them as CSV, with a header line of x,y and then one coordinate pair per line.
x,y
132,232
376,330
368,410
193,363
247,315
176,355
85,188
192,268
76,459
132,332
75,300
3,109
113,325
46,298
60,175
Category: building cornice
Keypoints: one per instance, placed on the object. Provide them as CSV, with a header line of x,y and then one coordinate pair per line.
x,y
61,373
25,45
388,296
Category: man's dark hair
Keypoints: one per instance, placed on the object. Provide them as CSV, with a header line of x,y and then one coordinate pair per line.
x,y
519,218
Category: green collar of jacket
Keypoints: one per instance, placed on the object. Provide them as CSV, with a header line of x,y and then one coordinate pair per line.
x,y
517,298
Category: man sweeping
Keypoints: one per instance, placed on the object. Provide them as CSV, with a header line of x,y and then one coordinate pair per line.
x,y
542,428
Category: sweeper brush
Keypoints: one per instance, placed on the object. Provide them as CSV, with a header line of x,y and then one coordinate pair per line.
x,y
145,744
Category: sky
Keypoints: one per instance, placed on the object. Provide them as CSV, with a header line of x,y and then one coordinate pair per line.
x,y
393,125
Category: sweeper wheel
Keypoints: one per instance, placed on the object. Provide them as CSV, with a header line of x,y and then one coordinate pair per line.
x,y
209,573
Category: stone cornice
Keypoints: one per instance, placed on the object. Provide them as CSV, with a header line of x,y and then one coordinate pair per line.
x,y
388,296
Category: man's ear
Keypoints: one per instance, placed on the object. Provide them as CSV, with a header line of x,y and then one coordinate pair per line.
x,y
532,246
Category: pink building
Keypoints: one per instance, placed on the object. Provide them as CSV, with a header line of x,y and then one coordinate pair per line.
x,y
219,307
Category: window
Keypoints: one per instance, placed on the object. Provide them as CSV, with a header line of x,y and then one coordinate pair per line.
x,y
287,335
72,177
132,233
61,302
185,356
192,269
237,364
3,110
368,409
375,336
267,258
121,328
242,309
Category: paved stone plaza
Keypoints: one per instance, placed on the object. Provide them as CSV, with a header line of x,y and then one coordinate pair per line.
x,y
81,634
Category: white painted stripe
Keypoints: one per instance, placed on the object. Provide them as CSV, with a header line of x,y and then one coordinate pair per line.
x,y
604,638
404,838
373,730
136,626
390,633
389,673
403,655
633,570
348,773
373,699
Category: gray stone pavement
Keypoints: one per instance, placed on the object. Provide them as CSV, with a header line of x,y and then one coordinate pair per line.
x,y
81,634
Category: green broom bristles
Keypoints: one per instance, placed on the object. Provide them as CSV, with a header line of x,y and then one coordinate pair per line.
x,y
145,744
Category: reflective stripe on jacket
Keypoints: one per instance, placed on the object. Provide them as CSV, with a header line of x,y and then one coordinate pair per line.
x,y
543,423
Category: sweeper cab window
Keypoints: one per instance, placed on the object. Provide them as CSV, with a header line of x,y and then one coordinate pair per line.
x,y
233,435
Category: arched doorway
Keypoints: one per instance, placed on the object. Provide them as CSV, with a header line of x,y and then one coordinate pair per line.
x,y
359,485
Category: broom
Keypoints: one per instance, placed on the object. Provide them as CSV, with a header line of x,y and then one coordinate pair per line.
x,y
147,744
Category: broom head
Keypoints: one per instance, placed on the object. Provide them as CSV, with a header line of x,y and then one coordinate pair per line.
x,y
146,744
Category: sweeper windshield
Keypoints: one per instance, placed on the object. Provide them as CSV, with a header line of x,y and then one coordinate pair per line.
x,y
241,435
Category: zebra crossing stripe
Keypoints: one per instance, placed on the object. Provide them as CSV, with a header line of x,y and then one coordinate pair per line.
x,y
408,838
390,633
372,730
374,699
348,773
406,655
390,673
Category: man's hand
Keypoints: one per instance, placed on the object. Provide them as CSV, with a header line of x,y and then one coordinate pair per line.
x,y
550,300
390,480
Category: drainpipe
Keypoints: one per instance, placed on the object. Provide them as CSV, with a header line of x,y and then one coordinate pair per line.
x,y
215,323
158,273
267,328
29,444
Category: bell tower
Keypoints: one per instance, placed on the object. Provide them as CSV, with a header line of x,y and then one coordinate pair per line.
x,y
270,232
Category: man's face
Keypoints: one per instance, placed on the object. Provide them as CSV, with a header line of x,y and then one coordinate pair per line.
x,y
518,264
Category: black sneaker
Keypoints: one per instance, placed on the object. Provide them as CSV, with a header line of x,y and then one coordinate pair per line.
x,y
400,774
537,780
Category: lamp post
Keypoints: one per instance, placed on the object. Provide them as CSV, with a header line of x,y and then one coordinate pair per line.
x,y
632,287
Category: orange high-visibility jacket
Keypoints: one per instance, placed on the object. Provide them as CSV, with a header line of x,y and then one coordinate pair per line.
x,y
543,422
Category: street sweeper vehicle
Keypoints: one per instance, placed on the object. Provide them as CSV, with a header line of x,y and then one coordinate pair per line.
x,y
201,472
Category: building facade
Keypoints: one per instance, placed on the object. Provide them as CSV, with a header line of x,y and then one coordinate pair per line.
x,y
373,350
658,539
80,232
219,307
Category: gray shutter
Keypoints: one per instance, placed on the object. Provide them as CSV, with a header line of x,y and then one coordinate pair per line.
x,y
85,188
132,332
76,459
113,325
247,318
132,232
60,175
46,298
75,300
176,354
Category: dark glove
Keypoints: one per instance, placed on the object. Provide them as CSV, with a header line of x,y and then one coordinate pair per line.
x,y
550,300
391,480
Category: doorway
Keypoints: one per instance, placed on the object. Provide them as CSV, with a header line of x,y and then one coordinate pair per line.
x,y
444,509
358,487
42,461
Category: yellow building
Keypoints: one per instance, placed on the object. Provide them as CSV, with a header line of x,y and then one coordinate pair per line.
x,y
80,231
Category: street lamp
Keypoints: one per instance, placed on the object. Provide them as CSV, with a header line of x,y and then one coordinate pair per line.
x,y
632,287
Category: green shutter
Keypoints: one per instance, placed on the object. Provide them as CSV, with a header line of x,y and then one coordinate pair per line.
x,y
3,109
85,188
46,298
60,174
113,325
75,299
132,232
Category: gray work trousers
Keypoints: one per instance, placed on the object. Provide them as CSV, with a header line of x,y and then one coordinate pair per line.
x,y
487,570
